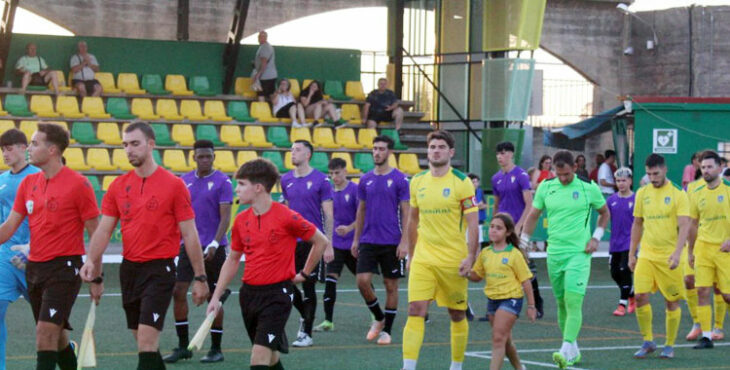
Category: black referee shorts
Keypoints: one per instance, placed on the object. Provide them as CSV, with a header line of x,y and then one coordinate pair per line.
x,y
147,291
265,310
53,287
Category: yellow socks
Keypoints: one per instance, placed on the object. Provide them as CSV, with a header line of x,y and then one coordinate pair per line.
x,y
644,317
672,325
720,310
704,315
691,295
413,338
459,338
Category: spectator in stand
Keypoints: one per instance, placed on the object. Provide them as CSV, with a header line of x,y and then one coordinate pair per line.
x,y
691,171
594,174
34,70
84,66
545,171
265,67
605,174
315,106
382,105
580,162
530,173
285,106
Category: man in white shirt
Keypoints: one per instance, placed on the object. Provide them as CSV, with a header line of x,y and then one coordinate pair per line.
x,y
84,67
605,174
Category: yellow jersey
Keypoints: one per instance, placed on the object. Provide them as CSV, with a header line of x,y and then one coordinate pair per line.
x,y
504,272
659,208
442,203
712,208
692,186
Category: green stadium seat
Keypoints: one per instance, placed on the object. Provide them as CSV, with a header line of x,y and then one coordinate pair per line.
x,y
162,135
277,135
158,158
153,84
239,111
84,133
118,108
16,105
364,162
208,132
94,181
320,161
393,134
201,86
275,158
333,88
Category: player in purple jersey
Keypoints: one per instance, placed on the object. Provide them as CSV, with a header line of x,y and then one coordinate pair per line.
x,y
621,205
211,193
308,192
382,212
344,199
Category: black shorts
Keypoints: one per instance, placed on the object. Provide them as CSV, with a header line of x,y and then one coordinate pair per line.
x,y
380,116
53,287
283,112
89,84
265,310
36,79
618,260
343,257
300,259
372,255
267,87
146,291
185,271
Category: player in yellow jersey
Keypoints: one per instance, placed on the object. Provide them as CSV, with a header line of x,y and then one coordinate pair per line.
x,y
709,243
689,275
661,224
443,208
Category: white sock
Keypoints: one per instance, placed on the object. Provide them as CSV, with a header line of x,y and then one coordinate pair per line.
x,y
575,351
707,334
409,364
566,348
455,365
623,302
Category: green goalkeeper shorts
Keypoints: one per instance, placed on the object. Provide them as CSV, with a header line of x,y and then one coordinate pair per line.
x,y
569,272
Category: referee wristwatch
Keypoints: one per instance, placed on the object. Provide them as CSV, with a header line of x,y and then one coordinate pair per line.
x,y
201,278
99,279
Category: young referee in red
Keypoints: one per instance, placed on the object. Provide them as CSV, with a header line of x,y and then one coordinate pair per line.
x,y
267,234
154,208
59,204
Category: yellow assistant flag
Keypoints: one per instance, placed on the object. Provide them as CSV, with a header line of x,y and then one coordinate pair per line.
x,y
197,342
87,349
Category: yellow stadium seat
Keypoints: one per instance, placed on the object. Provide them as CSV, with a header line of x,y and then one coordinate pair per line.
x,y
68,106
174,160
98,159
346,157
345,136
295,88
231,135
300,133
190,109
107,181
142,108
183,134
42,106
63,124
408,163
351,113
243,87
62,85
75,159
306,83
177,85
2,112
322,137
256,136
392,162
28,128
287,161
108,132
262,112
6,125
244,156
216,111
224,161
4,166
356,180
106,79
93,107
167,109
365,137
354,90
129,83
119,159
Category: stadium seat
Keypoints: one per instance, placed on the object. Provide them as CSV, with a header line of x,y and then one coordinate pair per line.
x,y
365,137
75,159
287,161
183,134
300,133
108,132
107,181
28,128
364,162
6,125
277,135
224,161
177,84
275,158
174,160
231,135
346,156
42,106
128,83
322,138
255,135
119,159
262,112
354,90
393,134
201,86
162,134
306,83
216,111
142,108
94,181
63,86
118,108
345,137
320,161
351,113
243,87
408,163
356,180
153,84
167,109
93,107
239,111
157,157
244,156
392,162
190,109
295,88
98,159
106,80
208,132
2,112
83,132
16,105
333,88
68,106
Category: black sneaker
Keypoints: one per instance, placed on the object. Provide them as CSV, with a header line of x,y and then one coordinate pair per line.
x,y
178,354
469,313
427,320
704,343
214,355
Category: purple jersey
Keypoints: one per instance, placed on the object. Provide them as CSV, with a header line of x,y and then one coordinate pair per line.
x,y
207,194
509,188
382,195
306,194
345,209
622,217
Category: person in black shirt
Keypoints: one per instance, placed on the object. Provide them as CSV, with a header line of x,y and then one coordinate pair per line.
x,y
382,105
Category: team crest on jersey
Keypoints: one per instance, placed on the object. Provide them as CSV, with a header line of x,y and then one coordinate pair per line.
x,y
446,192
309,185
347,197
667,200
29,207
512,179
720,198
390,182
631,204
505,260
576,195
210,185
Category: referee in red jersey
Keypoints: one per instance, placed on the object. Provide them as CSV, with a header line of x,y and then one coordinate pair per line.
x,y
267,234
154,208
59,204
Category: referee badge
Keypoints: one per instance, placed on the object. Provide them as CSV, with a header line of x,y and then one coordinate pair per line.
x,y
505,260
29,207
576,195
667,200
446,192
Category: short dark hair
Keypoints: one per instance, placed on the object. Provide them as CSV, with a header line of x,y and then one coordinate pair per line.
x,y
505,146
473,176
306,144
55,134
563,158
654,160
441,135
385,139
259,171
12,137
609,153
145,127
708,154
337,164
203,144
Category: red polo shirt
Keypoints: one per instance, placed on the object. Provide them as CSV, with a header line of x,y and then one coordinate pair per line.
x,y
149,209
57,209
269,242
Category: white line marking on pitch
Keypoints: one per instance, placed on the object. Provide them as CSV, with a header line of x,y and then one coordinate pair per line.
x,y
536,363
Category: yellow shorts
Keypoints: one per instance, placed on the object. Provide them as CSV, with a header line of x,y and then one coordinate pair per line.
x,y
687,270
651,275
444,284
712,266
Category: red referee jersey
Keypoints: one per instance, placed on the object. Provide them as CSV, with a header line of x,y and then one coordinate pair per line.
x,y
269,242
149,209
57,209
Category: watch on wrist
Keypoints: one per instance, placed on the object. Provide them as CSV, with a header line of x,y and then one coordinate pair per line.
x,y
201,278
98,280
